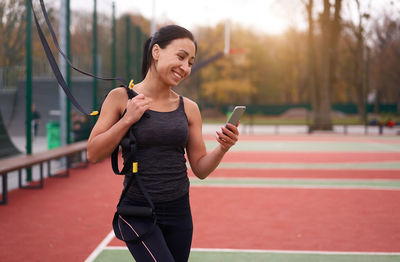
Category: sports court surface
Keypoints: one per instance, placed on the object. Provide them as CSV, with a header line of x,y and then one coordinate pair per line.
x,y
320,197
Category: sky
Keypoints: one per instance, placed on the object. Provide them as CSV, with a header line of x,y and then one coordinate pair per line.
x,y
264,16
260,15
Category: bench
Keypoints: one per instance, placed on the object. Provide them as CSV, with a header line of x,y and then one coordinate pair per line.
x,y
19,163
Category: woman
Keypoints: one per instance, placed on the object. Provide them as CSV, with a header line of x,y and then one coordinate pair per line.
x,y
173,126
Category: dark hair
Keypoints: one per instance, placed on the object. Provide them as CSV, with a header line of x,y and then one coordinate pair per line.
x,y
163,37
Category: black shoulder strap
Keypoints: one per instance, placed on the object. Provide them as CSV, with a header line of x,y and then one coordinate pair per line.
x,y
130,163
131,93
129,140
131,168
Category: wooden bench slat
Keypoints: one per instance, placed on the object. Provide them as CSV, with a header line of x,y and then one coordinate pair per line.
x,y
19,162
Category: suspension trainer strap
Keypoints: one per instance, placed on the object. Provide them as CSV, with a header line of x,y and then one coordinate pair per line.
x,y
130,162
131,169
53,63
53,35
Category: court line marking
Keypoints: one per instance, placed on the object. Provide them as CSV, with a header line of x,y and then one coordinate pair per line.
x,y
308,183
321,179
371,165
292,180
296,187
293,251
275,251
100,247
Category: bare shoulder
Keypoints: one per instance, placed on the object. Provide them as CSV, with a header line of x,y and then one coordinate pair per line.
x,y
191,109
190,106
118,92
116,100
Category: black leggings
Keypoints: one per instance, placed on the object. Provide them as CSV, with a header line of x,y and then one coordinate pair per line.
x,y
171,239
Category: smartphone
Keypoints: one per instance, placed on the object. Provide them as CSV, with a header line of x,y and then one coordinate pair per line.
x,y
236,115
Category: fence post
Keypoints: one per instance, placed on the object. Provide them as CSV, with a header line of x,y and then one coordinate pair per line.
x,y
380,129
28,94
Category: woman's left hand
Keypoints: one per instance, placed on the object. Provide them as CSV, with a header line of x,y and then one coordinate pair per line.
x,y
228,136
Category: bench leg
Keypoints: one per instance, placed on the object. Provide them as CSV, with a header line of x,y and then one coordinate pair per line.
x,y
41,175
19,178
66,173
5,189
83,163
85,160
40,185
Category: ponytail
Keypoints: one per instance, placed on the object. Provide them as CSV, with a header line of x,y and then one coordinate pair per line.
x,y
147,57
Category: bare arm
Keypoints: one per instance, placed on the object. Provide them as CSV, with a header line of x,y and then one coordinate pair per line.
x,y
201,161
110,128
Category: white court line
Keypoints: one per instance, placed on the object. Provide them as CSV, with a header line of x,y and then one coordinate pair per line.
x,y
296,183
320,179
100,247
292,251
295,186
277,251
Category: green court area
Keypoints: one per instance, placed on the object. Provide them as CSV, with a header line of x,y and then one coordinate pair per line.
x,y
122,254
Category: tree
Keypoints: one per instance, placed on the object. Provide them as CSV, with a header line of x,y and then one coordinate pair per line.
x,y
12,30
322,85
385,58
358,71
224,81
313,92
12,44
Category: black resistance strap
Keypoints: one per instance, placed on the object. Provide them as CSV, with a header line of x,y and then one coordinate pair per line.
x,y
130,169
53,63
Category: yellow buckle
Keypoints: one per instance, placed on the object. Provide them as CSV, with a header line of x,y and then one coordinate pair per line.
x,y
131,84
134,167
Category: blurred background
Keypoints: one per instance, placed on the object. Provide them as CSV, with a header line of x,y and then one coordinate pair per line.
x,y
312,63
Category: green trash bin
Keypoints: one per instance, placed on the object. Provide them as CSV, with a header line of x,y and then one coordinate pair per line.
x,y
53,134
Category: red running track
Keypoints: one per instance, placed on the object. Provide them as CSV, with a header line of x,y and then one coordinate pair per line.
x,y
64,221
69,217
296,219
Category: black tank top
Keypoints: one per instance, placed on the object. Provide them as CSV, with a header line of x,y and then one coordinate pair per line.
x,y
161,142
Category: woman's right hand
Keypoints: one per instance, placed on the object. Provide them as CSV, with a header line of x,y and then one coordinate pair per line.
x,y
110,127
136,107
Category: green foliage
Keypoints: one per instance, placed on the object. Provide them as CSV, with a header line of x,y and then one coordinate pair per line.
x,y
12,30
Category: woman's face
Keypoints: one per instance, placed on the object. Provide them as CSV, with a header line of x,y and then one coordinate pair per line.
x,y
174,62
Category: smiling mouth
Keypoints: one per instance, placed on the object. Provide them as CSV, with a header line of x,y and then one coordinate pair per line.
x,y
177,75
